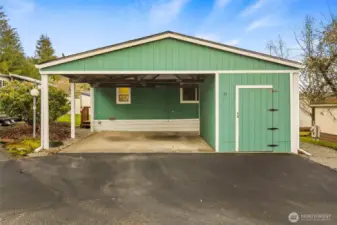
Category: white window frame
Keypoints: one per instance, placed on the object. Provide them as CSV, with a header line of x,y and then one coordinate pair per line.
x,y
117,95
3,83
188,102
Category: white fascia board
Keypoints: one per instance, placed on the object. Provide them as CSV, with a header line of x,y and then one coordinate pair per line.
x,y
254,86
169,35
205,72
217,116
101,51
324,105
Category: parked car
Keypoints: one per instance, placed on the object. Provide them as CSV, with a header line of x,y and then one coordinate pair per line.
x,y
6,121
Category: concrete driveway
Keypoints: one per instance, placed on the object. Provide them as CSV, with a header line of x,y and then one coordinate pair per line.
x,y
165,189
140,142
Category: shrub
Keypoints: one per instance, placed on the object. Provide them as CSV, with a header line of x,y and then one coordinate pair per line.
x,y
16,101
57,131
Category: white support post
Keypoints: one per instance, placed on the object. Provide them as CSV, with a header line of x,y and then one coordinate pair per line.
x,y
73,110
92,109
199,107
294,109
217,112
41,115
45,111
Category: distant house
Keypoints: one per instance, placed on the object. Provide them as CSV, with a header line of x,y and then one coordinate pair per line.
x,y
305,118
326,118
5,78
83,100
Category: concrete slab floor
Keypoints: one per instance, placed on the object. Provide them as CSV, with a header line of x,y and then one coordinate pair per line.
x,y
140,142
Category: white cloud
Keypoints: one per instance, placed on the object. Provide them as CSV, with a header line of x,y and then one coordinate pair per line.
x,y
232,42
210,37
259,23
221,3
254,7
166,11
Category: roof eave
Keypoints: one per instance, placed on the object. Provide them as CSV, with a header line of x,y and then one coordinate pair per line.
x,y
324,105
178,36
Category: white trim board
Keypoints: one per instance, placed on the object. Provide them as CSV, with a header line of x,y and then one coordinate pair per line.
x,y
217,112
45,110
92,108
73,110
294,112
175,125
324,105
205,72
237,115
177,36
199,107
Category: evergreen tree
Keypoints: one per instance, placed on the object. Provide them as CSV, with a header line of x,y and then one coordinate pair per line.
x,y
44,49
12,56
29,68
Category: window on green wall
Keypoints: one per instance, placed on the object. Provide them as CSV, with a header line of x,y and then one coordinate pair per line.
x,y
189,95
123,95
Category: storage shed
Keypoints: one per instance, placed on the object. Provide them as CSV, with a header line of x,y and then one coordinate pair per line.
x,y
239,100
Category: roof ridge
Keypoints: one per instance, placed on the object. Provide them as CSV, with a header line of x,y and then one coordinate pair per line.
x,y
172,34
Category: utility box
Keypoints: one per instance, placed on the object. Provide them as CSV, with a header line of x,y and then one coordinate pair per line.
x,y
315,132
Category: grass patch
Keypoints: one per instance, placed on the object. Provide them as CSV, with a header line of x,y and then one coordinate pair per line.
x,y
22,147
66,119
320,142
304,133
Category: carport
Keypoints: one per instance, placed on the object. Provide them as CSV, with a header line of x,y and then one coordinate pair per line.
x,y
236,99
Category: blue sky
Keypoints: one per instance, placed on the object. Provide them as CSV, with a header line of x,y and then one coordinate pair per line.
x,y
79,25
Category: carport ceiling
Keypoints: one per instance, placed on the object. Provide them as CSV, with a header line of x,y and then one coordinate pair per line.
x,y
139,80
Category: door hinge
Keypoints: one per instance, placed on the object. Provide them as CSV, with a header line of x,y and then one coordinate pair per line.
x,y
272,145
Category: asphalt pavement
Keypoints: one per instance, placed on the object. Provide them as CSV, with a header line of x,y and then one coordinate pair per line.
x,y
204,188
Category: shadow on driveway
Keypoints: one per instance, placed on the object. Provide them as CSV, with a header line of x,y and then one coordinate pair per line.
x,y
165,189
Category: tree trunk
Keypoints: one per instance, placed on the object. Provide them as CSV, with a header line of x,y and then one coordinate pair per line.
x,y
313,116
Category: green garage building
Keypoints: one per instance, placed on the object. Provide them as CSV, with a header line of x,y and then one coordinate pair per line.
x,y
238,100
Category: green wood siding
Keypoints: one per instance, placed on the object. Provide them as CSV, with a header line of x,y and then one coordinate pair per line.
x,y
207,110
167,54
146,103
281,101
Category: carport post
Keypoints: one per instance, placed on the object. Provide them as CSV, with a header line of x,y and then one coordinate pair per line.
x,y
92,103
294,111
41,115
73,109
44,112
